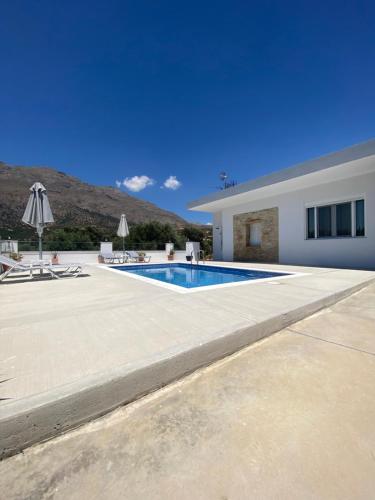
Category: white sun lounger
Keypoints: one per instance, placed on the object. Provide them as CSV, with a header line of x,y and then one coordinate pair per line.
x,y
133,255
55,270
114,258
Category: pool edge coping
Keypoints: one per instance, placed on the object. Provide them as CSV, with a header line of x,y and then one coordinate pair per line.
x,y
182,290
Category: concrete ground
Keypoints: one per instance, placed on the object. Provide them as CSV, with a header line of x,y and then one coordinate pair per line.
x,y
56,332
290,417
74,349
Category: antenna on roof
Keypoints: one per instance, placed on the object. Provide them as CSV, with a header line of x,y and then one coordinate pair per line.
x,y
223,176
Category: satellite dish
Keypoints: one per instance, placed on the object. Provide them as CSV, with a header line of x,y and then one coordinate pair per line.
x,y
223,176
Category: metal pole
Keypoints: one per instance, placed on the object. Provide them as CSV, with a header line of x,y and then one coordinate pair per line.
x,y
40,254
40,249
40,232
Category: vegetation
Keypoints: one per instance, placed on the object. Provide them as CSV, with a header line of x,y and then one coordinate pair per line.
x,y
146,236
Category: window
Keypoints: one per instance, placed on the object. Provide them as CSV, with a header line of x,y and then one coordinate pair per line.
x,y
344,219
337,220
324,222
360,218
311,222
255,234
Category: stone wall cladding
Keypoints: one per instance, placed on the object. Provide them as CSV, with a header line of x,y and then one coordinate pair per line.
x,y
268,251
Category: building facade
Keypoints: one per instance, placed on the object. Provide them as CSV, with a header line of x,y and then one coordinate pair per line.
x,y
319,213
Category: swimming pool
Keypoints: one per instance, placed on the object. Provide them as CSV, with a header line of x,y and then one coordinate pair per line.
x,y
192,276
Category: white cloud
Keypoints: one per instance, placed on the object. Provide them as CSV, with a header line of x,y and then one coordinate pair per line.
x,y
118,184
172,183
208,223
138,182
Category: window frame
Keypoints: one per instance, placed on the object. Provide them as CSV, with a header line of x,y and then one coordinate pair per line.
x,y
333,204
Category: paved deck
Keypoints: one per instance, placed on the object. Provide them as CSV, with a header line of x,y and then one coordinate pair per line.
x,y
74,349
290,417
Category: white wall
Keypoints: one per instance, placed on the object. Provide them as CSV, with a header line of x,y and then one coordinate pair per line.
x,y
294,248
82,257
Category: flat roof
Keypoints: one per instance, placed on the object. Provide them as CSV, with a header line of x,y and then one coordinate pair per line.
x,y
317,165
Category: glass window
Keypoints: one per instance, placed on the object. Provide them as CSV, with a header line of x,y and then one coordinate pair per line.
x,y
360,218
255,234
324,221
344,219
311,222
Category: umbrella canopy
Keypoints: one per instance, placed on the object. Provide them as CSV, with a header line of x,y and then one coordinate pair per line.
x,y
38,211
123,230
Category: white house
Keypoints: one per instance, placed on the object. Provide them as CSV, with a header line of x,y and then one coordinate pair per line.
x,y
319,213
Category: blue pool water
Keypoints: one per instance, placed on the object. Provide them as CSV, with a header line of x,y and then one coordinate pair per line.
x,y
194,276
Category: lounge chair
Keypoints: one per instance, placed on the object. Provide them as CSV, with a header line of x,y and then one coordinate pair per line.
x,y
135,257
55,270
114,258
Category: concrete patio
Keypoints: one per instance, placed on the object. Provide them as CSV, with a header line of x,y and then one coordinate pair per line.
x,y
72,350
289,417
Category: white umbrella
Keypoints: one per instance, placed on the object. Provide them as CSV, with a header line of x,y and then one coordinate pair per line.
x,y
38,212
123,231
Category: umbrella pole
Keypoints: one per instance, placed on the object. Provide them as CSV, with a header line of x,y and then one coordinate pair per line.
x,y
40,253
40,249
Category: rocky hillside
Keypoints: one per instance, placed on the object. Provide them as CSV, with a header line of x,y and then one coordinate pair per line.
x,y
74,203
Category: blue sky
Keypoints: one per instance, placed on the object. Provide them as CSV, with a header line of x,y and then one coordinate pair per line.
x,y
114,90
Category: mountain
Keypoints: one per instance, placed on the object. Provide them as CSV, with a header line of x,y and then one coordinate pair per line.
x,y
74,203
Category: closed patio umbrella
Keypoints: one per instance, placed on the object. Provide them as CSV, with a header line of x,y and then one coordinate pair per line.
x,y
38,212
123,231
